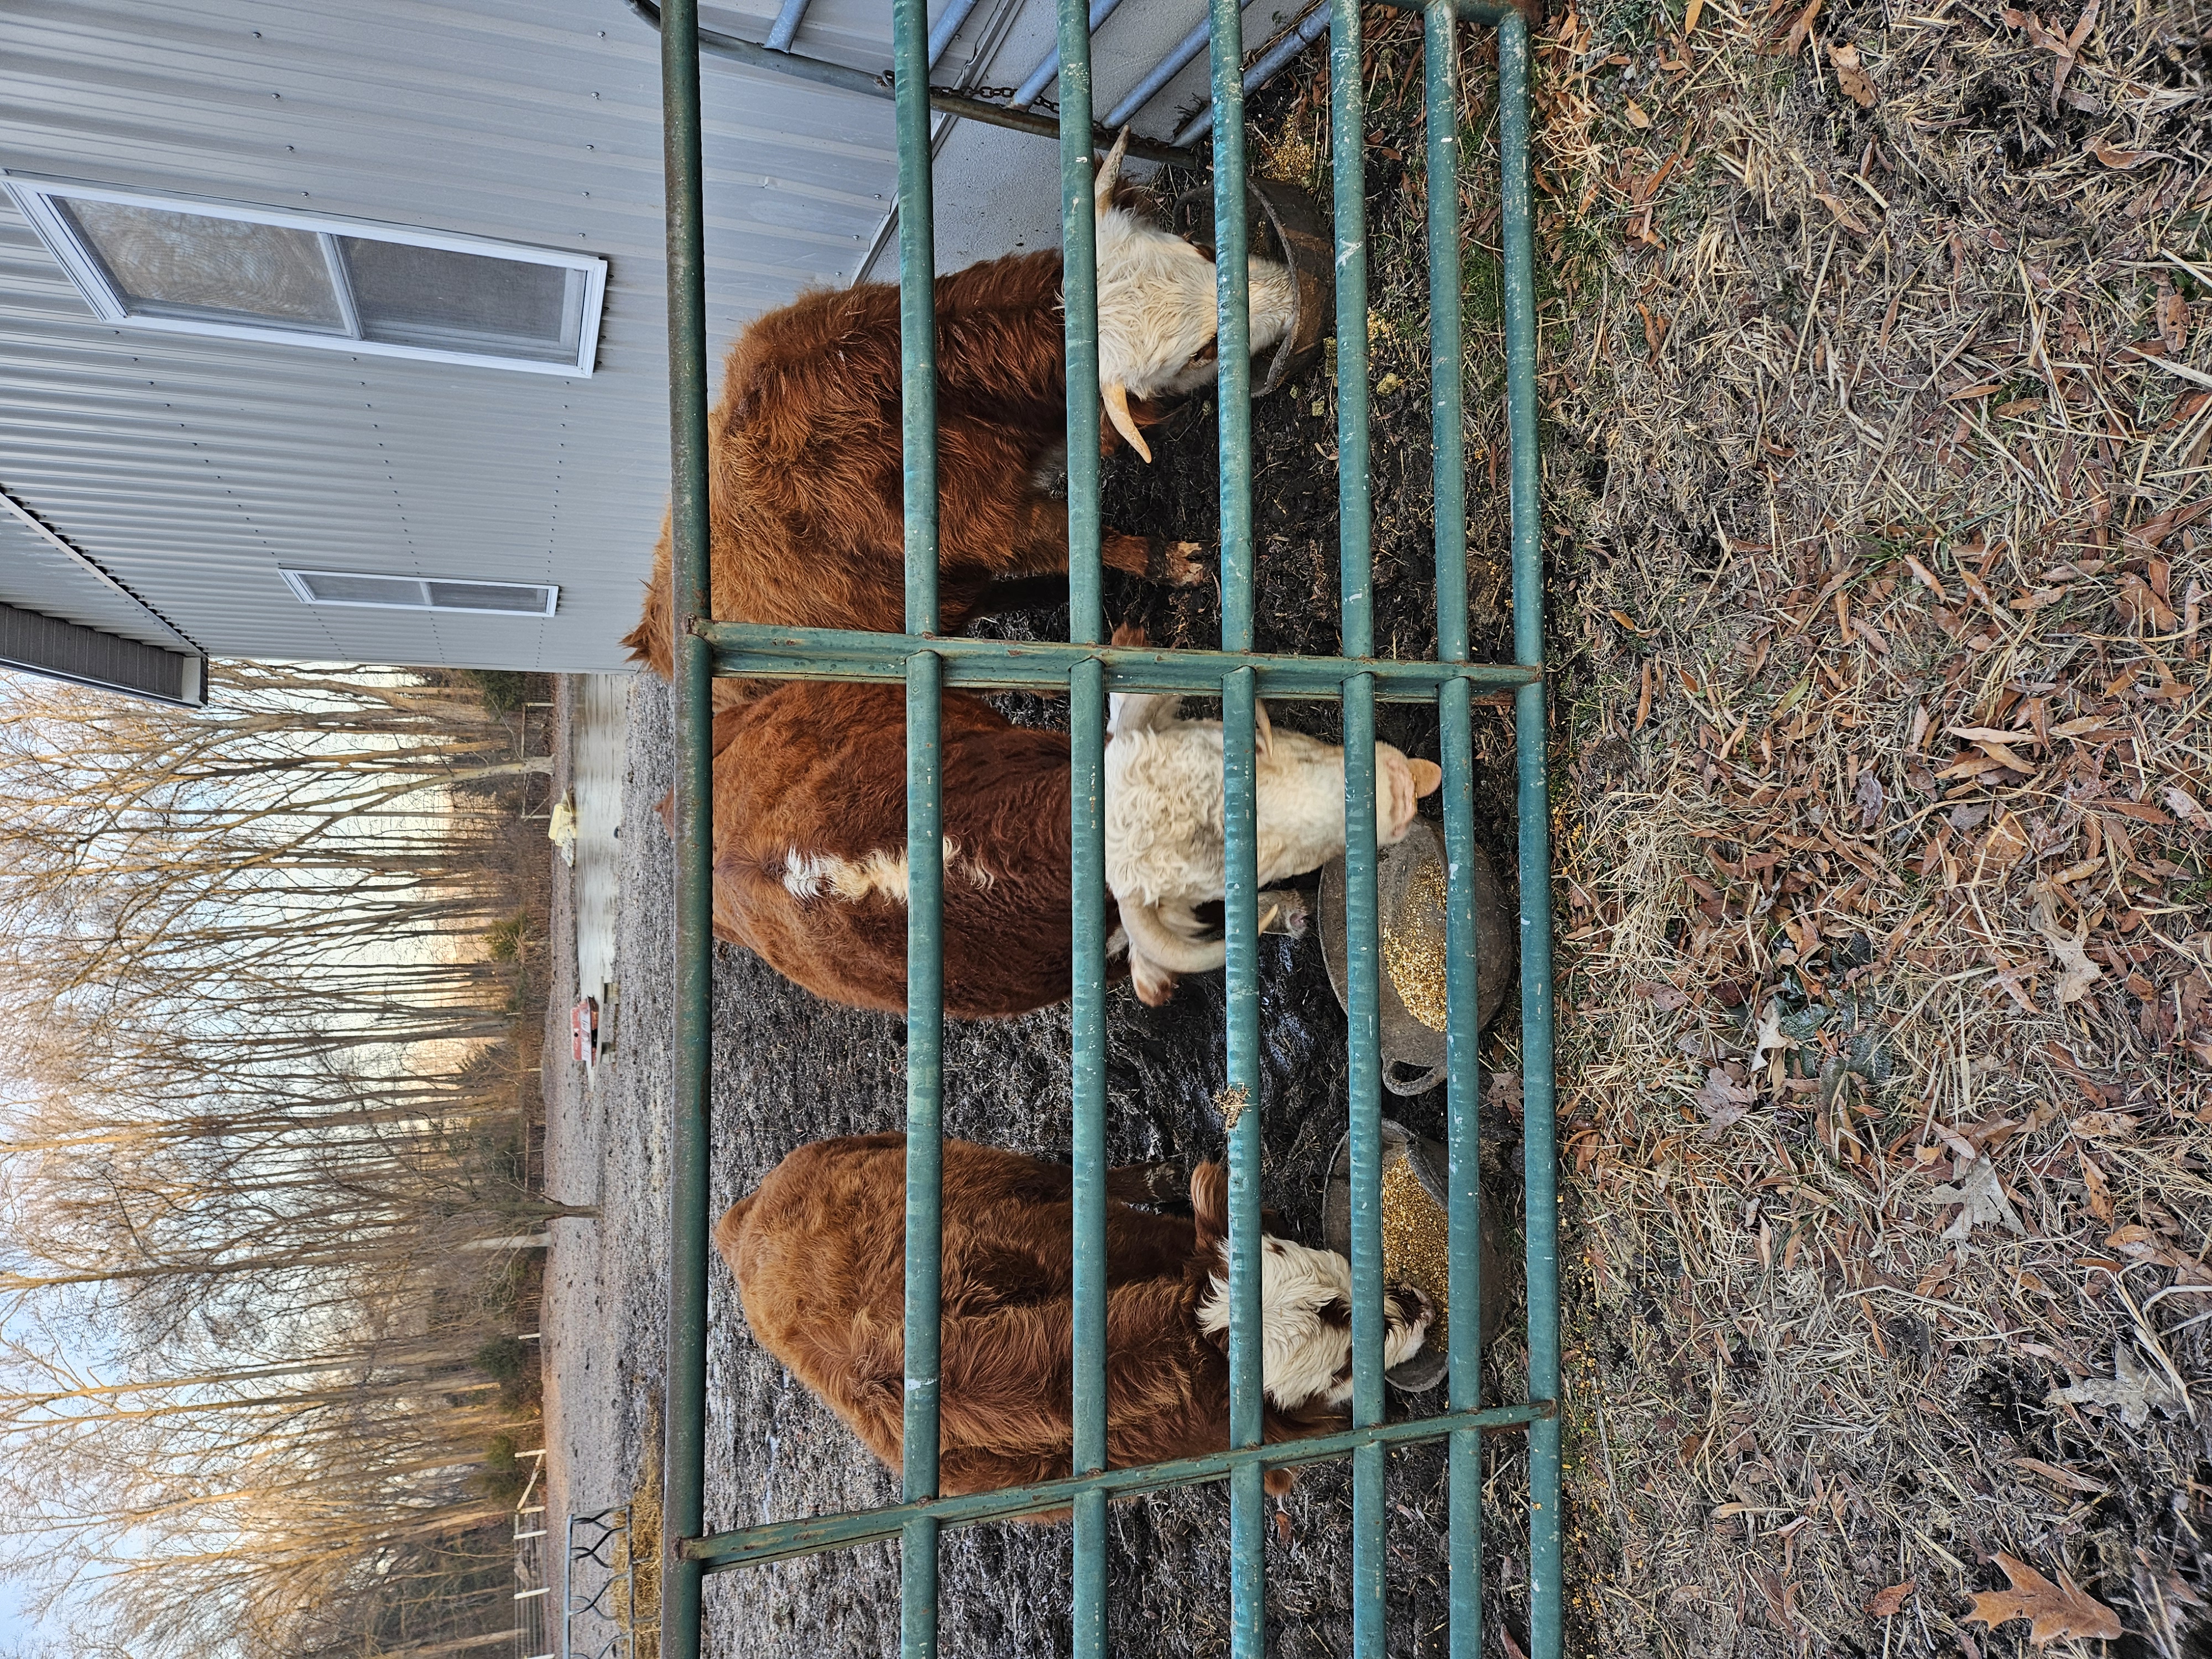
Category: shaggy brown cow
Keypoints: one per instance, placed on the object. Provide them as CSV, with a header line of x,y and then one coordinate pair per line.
x,y
819,1253
807,516
811,849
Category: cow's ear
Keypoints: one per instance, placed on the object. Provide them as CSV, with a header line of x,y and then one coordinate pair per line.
x,y
1209,1203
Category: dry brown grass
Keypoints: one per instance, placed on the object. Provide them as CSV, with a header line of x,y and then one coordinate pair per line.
x,y
638,1613
1882,729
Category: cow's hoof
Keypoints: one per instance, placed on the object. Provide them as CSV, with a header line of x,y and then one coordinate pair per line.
x,y
1176,564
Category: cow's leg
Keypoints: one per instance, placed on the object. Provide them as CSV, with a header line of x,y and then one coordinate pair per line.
x,y
1046,590
1156,1186
1168,564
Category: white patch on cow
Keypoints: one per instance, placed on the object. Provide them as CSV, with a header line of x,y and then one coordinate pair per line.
x,y
803,877
882,871
1302,1352
1157,310
1165,803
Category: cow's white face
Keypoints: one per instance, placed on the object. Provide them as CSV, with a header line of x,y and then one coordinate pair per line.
x,y
1157,313
1305,1322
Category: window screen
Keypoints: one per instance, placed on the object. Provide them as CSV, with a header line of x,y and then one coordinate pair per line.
x,y
256,274
435,296
420,593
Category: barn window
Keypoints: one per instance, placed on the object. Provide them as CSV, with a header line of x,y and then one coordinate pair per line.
x,y
423,592
253,273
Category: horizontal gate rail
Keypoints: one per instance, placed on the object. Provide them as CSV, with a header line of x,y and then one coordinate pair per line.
x,y
1087,670
777,1540
829,653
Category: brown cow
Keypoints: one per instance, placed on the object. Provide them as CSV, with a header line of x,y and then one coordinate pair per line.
x,y
806,509
819,1253
811,849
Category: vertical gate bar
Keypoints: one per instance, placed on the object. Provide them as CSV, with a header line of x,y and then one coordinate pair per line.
x,y
1231,282
1087,723
1364,1096
1447,397
917,211
1347,126
1463,1334
684,1476
925,831
1247,1356
1240,921
925,1144
1462,974
1355,579
1086,620
1540,1132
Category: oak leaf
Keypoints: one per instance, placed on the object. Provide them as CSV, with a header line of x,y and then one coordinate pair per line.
x,y
2055,1610
1982,1199
2076,973
2135,1390
1722,1100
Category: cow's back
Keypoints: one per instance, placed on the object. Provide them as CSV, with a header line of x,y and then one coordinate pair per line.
x,y
809,832
818,1253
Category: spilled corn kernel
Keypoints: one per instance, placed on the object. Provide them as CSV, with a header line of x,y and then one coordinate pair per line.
x,y
1414,1242
1414,946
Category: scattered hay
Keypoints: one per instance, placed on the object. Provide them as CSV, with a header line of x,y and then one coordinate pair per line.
x,y
1882,358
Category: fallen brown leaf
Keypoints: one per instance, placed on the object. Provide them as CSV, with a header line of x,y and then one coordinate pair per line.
x,y
2057,1476
2139,1243
1798,30
2172,318
1981,1199
2135,1390
2076,973
1851,76
2054,1610
1888,1603
2123,159
2138,603
1637,117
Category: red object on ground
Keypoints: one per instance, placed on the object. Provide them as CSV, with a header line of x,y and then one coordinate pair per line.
x,y
583,1030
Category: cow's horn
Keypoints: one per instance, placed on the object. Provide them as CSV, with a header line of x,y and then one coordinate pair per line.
x,y
1104,189
1116,396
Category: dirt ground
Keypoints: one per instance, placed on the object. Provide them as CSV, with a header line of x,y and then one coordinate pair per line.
x,y
1877,393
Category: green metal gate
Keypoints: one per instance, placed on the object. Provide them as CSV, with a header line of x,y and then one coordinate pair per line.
x,y
1088,670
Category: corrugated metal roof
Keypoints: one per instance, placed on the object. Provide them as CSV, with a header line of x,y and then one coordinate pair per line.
x,y
40,577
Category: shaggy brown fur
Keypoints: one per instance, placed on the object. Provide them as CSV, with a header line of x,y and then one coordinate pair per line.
x,y
818,1250
807,514
810,773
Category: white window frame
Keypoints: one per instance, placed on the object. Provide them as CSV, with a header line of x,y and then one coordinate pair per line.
x,y
37,197
295,579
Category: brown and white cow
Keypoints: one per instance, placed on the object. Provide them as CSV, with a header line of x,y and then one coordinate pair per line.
x,y
819,1251
807,515
811,849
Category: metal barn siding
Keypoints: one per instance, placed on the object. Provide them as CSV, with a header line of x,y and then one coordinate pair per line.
x,y
192,468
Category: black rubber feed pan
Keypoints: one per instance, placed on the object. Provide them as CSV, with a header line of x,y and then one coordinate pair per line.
x,y
1431,1164
1290,228
1409,907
